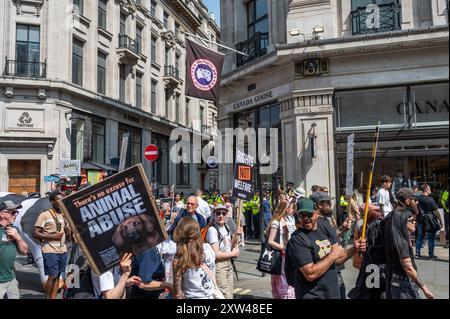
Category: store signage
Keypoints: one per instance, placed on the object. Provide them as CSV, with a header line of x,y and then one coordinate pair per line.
x,y
425,107
51,179
253,100
24,119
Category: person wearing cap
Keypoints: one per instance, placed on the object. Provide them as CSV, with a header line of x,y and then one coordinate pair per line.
x,y
10,244
220,237
428,207
384,198
402,279
313,253
322,202
49,229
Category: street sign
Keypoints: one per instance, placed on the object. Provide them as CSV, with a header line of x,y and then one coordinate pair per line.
x,y
51,179
151,153
69,168
349,181
243,177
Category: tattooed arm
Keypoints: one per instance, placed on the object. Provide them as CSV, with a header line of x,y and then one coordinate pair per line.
x,y
177,280
412,273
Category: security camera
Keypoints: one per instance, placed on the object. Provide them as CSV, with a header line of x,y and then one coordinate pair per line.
x,y
41,94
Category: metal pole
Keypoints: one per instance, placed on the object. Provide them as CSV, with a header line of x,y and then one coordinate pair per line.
x,y
215,43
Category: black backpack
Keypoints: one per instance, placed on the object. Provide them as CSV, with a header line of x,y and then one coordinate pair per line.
x,y
375,242
289,269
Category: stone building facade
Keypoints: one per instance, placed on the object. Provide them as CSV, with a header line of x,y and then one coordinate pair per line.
x,y
76,75
321,70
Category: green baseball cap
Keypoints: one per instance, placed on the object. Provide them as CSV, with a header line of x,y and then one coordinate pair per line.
x,y
305,205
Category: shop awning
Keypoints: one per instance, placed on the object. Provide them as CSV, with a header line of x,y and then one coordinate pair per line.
x,y
98,167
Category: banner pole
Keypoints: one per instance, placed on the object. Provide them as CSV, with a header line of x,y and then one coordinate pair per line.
x,y
215,43
374,155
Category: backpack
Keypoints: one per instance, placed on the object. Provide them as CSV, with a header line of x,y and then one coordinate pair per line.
x,y
204,232
289,269
375,242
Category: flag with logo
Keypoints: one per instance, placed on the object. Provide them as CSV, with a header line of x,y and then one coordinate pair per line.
x,y
203,72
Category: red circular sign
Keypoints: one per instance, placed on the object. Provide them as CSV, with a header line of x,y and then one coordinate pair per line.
x,y
151,153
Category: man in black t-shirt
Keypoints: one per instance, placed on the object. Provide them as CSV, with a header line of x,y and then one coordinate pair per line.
x,y
427,206
313,252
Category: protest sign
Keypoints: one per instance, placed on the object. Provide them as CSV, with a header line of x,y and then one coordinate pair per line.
x,y
243,177
117,215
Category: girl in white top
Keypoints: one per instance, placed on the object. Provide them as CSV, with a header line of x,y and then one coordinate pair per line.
x,y
278,226
191,281
290,219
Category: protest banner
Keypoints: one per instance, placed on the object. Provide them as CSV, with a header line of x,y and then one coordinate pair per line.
x,y
243,177
117,215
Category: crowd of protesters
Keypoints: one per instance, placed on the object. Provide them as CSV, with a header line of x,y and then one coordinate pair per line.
x,y
206,235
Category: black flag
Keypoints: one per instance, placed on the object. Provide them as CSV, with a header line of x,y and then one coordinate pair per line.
x,y
203,72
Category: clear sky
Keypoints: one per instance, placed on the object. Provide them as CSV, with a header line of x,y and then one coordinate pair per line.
x,y
214,7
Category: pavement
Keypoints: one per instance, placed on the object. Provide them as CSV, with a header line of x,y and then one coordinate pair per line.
x,y
252,284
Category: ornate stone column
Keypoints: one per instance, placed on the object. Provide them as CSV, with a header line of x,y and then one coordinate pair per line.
x,y
308,139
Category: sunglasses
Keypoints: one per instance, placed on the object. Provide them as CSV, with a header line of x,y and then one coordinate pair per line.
x,y
306,214
193,204
12,212
222,213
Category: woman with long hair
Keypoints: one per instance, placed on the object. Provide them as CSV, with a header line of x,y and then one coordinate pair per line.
x,y
277,237
403,281
194,263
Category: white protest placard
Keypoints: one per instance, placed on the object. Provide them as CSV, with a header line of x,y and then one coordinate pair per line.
x,y
69,168
350,152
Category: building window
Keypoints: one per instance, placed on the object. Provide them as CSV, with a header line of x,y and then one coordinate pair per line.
x,y
153,96
168,97
166,20
78,136
123,24
138,38
167,57
177,63
153,49
122,81
161,166
257,17
202,114
139,90
101,73
78,6
27,50
372,16
183,174
177,30
188,117
98,142
102,13
134,149
177,108
77,62
153,9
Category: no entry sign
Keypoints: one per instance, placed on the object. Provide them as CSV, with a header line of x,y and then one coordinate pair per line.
x,y
151,153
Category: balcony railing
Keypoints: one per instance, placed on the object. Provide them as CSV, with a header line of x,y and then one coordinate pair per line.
x,y
255,47
128,43
171,71
25,69
385,17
